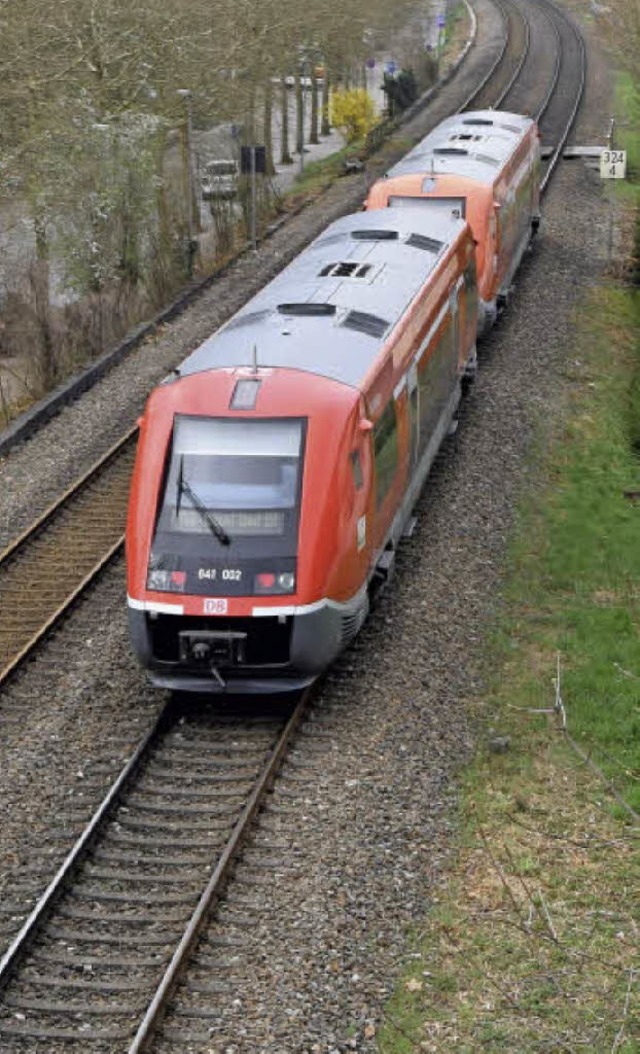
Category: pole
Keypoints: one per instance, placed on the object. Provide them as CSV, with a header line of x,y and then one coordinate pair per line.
x,y
254,243
301,89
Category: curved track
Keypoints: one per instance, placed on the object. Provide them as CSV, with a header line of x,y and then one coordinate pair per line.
x,y
505,69
559,109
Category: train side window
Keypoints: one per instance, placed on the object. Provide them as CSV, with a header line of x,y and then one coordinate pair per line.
x,y
437,370
356,468
385,442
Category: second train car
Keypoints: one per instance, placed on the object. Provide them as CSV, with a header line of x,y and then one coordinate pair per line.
x,y
483,165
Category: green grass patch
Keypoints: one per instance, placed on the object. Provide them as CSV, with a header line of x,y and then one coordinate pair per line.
x,y
532,943
627,134
574,583
318,175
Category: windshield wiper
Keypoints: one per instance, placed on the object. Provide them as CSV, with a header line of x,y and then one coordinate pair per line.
x,y
185,488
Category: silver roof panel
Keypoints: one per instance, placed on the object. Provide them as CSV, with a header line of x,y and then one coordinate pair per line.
x,y
485,139
325,343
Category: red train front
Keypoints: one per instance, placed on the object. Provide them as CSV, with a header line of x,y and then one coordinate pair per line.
x,y
234,553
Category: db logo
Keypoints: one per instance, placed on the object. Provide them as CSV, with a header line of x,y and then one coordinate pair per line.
x,y
218,606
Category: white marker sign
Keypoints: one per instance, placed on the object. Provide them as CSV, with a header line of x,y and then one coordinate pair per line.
x,y
613,164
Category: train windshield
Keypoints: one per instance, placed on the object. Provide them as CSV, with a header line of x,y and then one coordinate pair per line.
x,y
233,478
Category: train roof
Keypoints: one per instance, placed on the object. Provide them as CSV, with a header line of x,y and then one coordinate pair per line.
x,y
330,311
475,144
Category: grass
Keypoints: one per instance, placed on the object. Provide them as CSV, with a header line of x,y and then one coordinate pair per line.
x,y
531,944
531,941
575,566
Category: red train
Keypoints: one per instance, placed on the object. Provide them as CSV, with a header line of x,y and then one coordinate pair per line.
x,y
277,469
483,165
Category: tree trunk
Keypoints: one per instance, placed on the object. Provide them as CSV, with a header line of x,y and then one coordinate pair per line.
x,y
267,131
285,156
299,114
313,131
325,126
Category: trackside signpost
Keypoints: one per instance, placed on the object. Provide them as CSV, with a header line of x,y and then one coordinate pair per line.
x,y
613,164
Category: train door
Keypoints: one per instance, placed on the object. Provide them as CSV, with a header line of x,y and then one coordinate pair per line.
x,y
454,305
413,399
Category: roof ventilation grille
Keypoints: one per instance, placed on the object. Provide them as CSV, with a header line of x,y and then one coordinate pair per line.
x,y
309,309
346,269
331,239
422,241
451,151
485,159
248,319
479,120
361,321
372,235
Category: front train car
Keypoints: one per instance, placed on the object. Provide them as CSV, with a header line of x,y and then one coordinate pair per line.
x,y
228,565
279,461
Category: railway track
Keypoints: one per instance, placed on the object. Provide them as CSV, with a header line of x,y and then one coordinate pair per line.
x,y
99,957
560,107
48,566
507,65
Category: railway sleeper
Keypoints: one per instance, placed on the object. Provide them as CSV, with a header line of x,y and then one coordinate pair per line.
x,y
16,1002
67,1035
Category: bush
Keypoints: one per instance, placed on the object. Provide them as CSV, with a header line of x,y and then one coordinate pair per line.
x,y
401,91
352,113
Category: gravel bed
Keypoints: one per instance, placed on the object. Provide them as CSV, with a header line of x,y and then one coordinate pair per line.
x,y
359,827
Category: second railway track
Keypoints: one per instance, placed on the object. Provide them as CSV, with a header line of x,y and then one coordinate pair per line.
x,y
48,566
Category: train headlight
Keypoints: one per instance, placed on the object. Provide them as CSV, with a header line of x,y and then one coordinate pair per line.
x,y
162,581
287,581
270,582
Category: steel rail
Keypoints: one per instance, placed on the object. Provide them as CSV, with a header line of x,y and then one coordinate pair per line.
x,y
19,548
223,862
27,535
177,966
74,858
60,611
542,109
523,58
494,66
557,153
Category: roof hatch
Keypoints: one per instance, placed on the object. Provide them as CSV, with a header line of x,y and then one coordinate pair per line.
x,y
308,308
363,322
422,241
372,235
346,269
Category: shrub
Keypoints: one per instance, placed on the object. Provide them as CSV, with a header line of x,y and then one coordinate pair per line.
x,y
352,113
